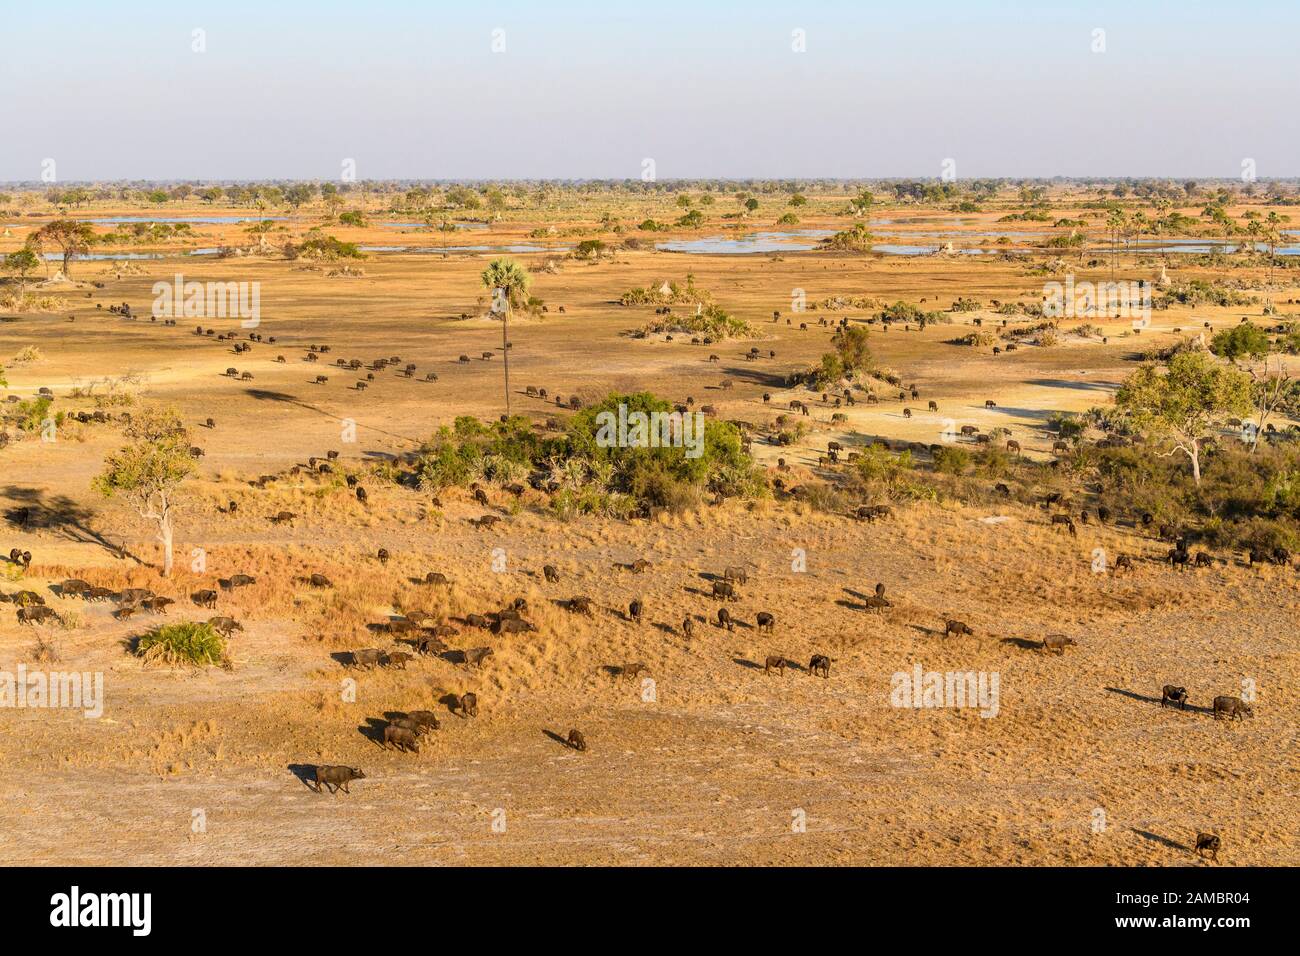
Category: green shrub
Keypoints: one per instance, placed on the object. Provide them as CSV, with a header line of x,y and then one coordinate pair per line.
x,y
951,460
188,642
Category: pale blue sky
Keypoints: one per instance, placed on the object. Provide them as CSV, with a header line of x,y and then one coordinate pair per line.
x,y
290,88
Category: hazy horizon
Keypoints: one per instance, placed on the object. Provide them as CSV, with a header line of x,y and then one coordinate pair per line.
x,y
585,91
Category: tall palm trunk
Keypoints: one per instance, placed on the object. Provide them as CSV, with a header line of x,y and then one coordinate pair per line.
x,y
505,351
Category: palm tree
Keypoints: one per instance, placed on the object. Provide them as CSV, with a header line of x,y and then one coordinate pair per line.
x,y
1139,224
1273,235
1220,216
1115,223
508,282
445,227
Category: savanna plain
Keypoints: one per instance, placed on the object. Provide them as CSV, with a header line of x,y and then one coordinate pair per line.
x,y
890,401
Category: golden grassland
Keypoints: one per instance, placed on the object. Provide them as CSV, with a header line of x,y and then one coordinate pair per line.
x,y
723,761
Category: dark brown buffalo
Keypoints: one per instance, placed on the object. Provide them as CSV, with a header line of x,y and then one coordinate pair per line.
x,y
401,738
1234,708
337,778
1208,842
1174,695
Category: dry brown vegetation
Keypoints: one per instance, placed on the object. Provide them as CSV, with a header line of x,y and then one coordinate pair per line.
x,y
717,762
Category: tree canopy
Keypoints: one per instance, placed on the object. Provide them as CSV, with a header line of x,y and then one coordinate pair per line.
x,y
1184,402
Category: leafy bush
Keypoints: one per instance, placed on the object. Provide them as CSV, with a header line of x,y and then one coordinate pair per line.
x,y
858,238
328,248
594,476
1246,340
951,460
1196,292
908,313
713,322
188,642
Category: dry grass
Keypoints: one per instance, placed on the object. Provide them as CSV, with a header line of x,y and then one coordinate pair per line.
x,y
709,769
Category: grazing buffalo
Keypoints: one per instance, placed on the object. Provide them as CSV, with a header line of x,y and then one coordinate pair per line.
x,y
774,662
513,625
398,659
1056,643
475,656
820,665
577,741
724,590
401,738
724,619
1067,522
736,575
423,718
37,614
688,627
877,603
467,704
1174,695
73,587
765,622
367,657
337,778
1210,842
630,672
430,644
635,610
551,575
205,598
1234,708
581,605
225,626
956,627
